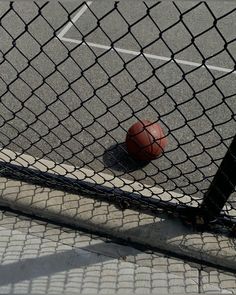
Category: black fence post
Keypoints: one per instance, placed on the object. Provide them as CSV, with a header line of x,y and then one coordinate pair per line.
x,y
222,186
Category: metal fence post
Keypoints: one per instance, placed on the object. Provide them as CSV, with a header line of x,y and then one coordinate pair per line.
x,y
222,186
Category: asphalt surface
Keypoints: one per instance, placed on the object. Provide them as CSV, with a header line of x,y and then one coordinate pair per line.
x,y
72,113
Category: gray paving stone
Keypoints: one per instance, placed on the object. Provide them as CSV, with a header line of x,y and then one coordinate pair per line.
x,y
81,240
41,266
113,267
161,232
218,281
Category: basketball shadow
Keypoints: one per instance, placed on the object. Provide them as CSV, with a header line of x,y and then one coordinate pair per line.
x,y
117,158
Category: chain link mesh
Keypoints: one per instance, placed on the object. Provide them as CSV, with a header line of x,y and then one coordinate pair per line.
x,y
74,78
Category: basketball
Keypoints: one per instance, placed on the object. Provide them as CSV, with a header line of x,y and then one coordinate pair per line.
x,y
145,140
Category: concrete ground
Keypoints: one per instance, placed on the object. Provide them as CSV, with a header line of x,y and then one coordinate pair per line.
x,y
215,247
58,103
41,258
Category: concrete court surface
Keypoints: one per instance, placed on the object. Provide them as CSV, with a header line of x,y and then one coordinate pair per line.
x,y
58,103
41,258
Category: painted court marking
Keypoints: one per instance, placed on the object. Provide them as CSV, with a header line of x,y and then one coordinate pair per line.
x,y
102,178
126,51
99,178
90,176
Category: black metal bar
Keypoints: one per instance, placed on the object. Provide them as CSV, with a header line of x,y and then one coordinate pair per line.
x,y
117,196
222,186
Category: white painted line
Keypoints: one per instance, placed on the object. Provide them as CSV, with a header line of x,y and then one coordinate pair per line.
x,y
74,20
90,176
149,56
131,52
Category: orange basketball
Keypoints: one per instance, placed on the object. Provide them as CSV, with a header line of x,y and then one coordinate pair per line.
x,y
145,140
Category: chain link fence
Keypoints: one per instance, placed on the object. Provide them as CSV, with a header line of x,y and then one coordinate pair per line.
x,y
75,77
